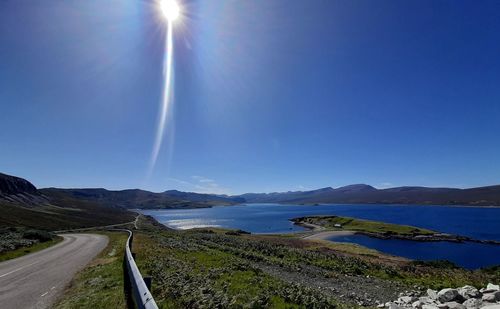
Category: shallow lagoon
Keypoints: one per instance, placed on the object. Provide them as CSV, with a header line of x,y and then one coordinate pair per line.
x,y
479,223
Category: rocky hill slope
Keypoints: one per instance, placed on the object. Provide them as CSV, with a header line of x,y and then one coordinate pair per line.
x,y
23,205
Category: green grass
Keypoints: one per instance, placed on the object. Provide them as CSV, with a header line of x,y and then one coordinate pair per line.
x,y
359,225
100,284
215,249
4,256
187,274
214,269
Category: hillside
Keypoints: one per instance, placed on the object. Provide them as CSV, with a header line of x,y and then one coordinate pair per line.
x,y
22,204
135,198
365,194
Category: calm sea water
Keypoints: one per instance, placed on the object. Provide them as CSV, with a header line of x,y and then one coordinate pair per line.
x,y
479,223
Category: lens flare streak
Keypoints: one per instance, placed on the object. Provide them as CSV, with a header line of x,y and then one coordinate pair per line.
x,y
167,95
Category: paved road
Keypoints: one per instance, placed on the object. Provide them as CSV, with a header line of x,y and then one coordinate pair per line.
x,y
37,279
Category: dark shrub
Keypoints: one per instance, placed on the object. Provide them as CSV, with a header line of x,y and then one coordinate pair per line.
x,y
237,232
436,264
38,235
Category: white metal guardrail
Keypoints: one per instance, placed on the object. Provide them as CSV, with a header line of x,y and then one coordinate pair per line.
x,y
141,293
143,298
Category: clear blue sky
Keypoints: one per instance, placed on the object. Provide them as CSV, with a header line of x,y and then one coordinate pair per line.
x,y
269,95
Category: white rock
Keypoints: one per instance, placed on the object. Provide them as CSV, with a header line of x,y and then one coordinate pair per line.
x,y
455,305
472,303
417,304
490,288
493,287
468,292
426,300
428,306
447,295
432,294
393,306
491,297
406,299
492,306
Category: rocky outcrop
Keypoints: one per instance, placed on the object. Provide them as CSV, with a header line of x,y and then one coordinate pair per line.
x,y
466,297
10,185
19,191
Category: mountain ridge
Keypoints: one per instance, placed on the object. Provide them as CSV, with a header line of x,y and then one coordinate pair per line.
x,y
366,194
20,191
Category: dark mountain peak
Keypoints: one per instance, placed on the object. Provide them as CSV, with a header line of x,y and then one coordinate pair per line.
x,y
11,185
355,188
172,192
419,189
325,189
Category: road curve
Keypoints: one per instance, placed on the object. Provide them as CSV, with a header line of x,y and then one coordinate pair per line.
x,y
36,280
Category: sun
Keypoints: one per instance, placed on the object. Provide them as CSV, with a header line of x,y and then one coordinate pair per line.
x,y
171,9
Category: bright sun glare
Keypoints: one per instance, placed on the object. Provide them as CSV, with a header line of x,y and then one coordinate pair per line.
x,y
170,9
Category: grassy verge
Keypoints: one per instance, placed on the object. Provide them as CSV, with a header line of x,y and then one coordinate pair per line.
x,y
359,225
4,256
100,284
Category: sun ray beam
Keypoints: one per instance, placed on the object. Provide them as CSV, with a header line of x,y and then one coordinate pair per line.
x,y
168,97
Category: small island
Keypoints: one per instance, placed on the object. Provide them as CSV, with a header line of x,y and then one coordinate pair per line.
x,y
326,226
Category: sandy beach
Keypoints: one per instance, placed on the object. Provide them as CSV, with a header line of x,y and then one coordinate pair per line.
x,y
328,234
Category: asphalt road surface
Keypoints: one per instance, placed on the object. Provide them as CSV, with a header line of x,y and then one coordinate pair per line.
x,y
36,280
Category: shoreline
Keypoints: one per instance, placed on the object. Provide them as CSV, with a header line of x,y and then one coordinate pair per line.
x,y
321,232
323,204
324,235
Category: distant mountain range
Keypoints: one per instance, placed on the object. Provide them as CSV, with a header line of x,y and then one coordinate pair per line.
x,y
365,194
135,198
22,203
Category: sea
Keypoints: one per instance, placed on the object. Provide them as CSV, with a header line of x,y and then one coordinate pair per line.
x,y
475,222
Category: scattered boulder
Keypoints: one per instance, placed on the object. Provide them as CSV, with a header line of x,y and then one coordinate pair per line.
x,y
466,297
472,303
393,306
432,294
468,292
427,306
447,295
454,305
490,288
406,299
427,300
491,297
